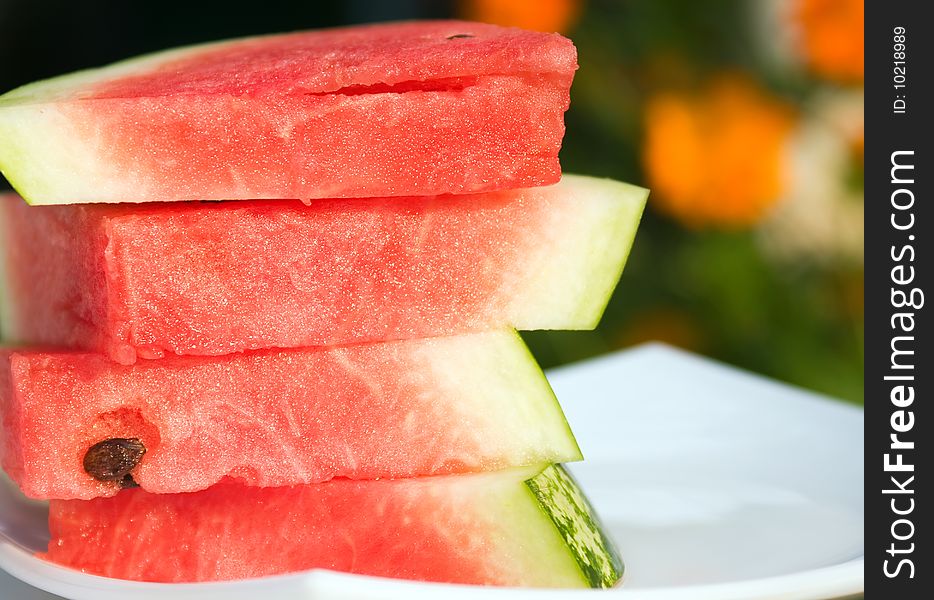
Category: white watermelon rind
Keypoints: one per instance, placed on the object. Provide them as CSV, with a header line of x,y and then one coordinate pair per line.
x,y
7,310
37,146
581,262
501,380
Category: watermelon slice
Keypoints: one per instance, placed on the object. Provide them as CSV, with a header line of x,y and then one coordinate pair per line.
x,y
80,426
381,110
215,278
524,527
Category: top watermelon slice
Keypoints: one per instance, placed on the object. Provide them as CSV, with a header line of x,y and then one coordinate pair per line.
x,y
382,110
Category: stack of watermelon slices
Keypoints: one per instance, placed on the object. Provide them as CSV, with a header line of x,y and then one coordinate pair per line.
x,y
258,385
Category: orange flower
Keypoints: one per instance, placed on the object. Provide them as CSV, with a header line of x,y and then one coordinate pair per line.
x,y
831,37
716,157
539,15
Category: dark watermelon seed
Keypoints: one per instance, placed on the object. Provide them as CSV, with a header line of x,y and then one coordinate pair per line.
x,y
113,459
128,482
458,36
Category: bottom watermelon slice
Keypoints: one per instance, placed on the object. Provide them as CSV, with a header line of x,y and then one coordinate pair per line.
x,y
525,527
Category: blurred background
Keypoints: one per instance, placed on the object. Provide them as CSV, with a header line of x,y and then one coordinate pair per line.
x,y
744,117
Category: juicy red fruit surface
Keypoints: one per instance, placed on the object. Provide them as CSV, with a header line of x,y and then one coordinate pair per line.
x,y
411,531
325,61
273,418
500,132
399,109
212,279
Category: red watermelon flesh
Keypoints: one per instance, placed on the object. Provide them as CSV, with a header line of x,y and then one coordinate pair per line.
x,y
273,418
522,527
217,278
395,109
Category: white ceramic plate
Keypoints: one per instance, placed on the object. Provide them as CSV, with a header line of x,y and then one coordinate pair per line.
x,y
716,485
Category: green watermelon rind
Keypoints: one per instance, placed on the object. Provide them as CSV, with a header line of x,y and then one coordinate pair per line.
x,y
542,510
575,520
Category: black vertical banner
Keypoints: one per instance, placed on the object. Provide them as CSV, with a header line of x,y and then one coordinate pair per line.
x,y
899,171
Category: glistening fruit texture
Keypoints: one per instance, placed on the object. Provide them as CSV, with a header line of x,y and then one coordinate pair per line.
x,y
342,271
283,417
394,110
257,385
525,526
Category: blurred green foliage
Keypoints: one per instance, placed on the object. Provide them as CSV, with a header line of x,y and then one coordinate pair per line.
x,y
714,291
